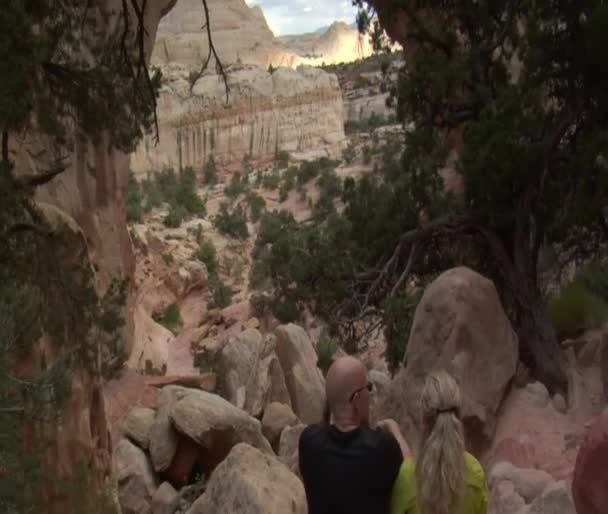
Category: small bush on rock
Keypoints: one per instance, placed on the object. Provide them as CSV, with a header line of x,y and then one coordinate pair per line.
x,y
171,319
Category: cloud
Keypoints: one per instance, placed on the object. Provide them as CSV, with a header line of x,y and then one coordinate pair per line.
x,y
300,16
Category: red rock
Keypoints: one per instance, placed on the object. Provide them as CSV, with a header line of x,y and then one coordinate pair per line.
x,y
519,452
590,484
205,381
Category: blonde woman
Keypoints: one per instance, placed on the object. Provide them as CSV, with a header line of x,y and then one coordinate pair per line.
x,y
444,479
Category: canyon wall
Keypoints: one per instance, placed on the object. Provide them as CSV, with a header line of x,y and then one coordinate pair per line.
x,y
85,206
290,110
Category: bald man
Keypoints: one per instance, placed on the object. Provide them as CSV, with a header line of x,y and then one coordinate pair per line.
x,y
348,467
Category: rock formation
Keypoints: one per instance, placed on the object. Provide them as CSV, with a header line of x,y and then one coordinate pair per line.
x,y
240,35
249,482
341,43
287,110
590,485
460,326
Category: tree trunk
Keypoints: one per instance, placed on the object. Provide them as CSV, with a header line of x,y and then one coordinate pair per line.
x,y
539,347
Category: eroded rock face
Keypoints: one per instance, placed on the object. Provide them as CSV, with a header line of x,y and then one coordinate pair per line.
x,y
590,484
137,426
251,482
277,417
290,110
134,477
209,420
304,380
288,447
459,326
528,483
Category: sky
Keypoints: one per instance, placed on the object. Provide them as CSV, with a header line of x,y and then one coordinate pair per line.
x,y
301,16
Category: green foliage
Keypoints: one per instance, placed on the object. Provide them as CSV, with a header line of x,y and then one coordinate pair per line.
x,y
257,205
134,201
207,254
326,348
177,214
221,294
179,192
233,224
349,153
210,172
370,124
283,194
367,155
167,258
577,307
330,187
594,277
311,169
171,319
237,186
398,318
271,180
282,159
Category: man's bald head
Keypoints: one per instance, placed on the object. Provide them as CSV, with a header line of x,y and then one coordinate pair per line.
x,y
345,376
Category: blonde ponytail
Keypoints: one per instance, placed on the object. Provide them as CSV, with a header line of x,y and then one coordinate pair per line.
x,y
440,467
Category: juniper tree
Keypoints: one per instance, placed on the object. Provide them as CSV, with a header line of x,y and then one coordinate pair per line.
x,y
514,93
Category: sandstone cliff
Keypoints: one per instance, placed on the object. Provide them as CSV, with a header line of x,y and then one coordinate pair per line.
x,y
340,43
291,110
240,35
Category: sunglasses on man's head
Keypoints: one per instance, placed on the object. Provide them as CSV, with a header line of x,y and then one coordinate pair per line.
x,y
368,386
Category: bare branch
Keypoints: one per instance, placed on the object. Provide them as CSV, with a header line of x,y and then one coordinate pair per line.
x,y
406,271
212,52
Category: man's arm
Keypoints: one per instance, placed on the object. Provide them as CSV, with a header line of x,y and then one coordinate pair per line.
x,y
390,425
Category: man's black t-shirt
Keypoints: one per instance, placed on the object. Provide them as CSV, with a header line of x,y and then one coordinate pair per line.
x,y
348,472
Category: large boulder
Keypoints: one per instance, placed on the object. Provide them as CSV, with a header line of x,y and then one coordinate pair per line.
x,y
252,373
162,436
277,416
135,479
251,482
528,483
165,499
304,380
137,425
590,483
459,326
288,447
553,500
215,424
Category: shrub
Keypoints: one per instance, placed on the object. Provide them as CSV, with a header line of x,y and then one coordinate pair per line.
x,y
330,184
283,194
594,277
237,185
367,155
289,178
256,206
399,313
210,172
221,294
186,195
575,309
171,319
282,159
167,258
326,349
176,215
349,153
233,224
134,201
207,254
271,180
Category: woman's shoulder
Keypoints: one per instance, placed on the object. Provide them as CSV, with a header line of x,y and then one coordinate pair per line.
x,y
475,474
